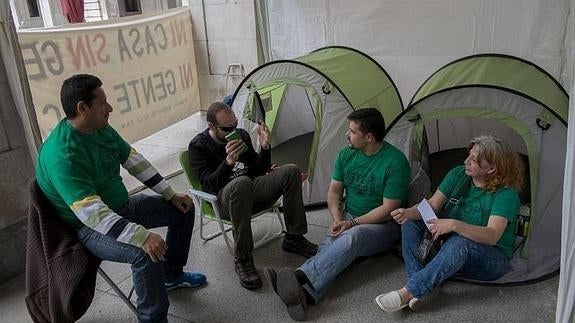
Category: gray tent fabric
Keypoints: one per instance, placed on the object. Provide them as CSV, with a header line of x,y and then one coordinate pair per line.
x,y
495,94
305,102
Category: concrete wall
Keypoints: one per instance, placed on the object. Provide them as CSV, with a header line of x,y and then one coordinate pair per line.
x,y
50,14
16,172
151,6
229,35
22,17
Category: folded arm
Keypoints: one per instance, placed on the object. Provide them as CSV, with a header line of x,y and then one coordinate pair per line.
x,y
336,208
381,213
488,235
401,215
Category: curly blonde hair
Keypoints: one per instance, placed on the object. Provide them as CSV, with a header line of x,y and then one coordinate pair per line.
x,y
498,153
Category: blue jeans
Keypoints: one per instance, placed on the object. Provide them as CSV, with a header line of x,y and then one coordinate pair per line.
x,y
336,254
458,255
150,212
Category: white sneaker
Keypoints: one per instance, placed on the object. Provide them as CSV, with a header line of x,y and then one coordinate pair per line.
x,y
414,304
390,302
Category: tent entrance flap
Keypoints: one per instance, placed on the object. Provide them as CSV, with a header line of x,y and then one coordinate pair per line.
x,y
293,114
294,151
294,126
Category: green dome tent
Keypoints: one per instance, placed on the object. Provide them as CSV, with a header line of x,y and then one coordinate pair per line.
x,y
516,100
305,102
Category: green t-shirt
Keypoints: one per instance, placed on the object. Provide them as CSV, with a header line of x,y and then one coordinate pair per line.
x,y
73,165
478,205
369,179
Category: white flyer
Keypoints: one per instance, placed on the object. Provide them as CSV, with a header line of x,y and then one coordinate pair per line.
x,y
426,212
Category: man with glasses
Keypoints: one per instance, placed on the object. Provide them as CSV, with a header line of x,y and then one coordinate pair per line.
x,y
232,169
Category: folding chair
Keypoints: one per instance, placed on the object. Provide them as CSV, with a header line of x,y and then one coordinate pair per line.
x,y
119,293
207,206
47,231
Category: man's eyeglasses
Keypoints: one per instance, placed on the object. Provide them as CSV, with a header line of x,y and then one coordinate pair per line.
x,y
227,128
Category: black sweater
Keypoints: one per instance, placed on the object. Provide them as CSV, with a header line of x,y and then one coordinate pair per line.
x,y
208,161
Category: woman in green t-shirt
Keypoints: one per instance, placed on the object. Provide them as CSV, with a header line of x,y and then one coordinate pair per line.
x,y
478,233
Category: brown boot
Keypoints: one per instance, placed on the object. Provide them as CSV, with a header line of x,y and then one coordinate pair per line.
x,y
249,277
299,245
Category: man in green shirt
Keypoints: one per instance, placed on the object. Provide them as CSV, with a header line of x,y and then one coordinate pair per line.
x,y
374,176
78,170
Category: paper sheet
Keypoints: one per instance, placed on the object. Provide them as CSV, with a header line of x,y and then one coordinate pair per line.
x,y
426,212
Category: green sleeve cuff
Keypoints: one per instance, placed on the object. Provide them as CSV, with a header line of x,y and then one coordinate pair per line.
x,y
168,193
140,236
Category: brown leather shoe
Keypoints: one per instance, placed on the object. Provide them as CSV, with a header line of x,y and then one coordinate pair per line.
x,y
249,277
299,245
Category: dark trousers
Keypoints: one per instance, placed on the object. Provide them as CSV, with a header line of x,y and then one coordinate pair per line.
x,y
243,196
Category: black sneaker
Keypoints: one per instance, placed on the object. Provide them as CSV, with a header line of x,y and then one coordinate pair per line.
x,y
291,293
299,245
272,276
249,277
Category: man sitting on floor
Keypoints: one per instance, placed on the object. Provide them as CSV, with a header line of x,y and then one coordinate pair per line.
x,y
375,176
78,170
237,175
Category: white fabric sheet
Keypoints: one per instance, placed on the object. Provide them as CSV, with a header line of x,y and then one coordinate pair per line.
x,y
565,311
412,39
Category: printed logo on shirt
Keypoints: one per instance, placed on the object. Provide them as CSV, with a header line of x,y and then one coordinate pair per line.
x,y
239,169
361,181
471,209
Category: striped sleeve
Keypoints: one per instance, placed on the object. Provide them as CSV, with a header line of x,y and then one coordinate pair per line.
x,y
94,213
141,169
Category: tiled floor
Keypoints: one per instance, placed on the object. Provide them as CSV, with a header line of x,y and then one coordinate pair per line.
x,y
349,300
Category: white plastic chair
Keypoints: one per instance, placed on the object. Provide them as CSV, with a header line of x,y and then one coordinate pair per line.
x,y
207,206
